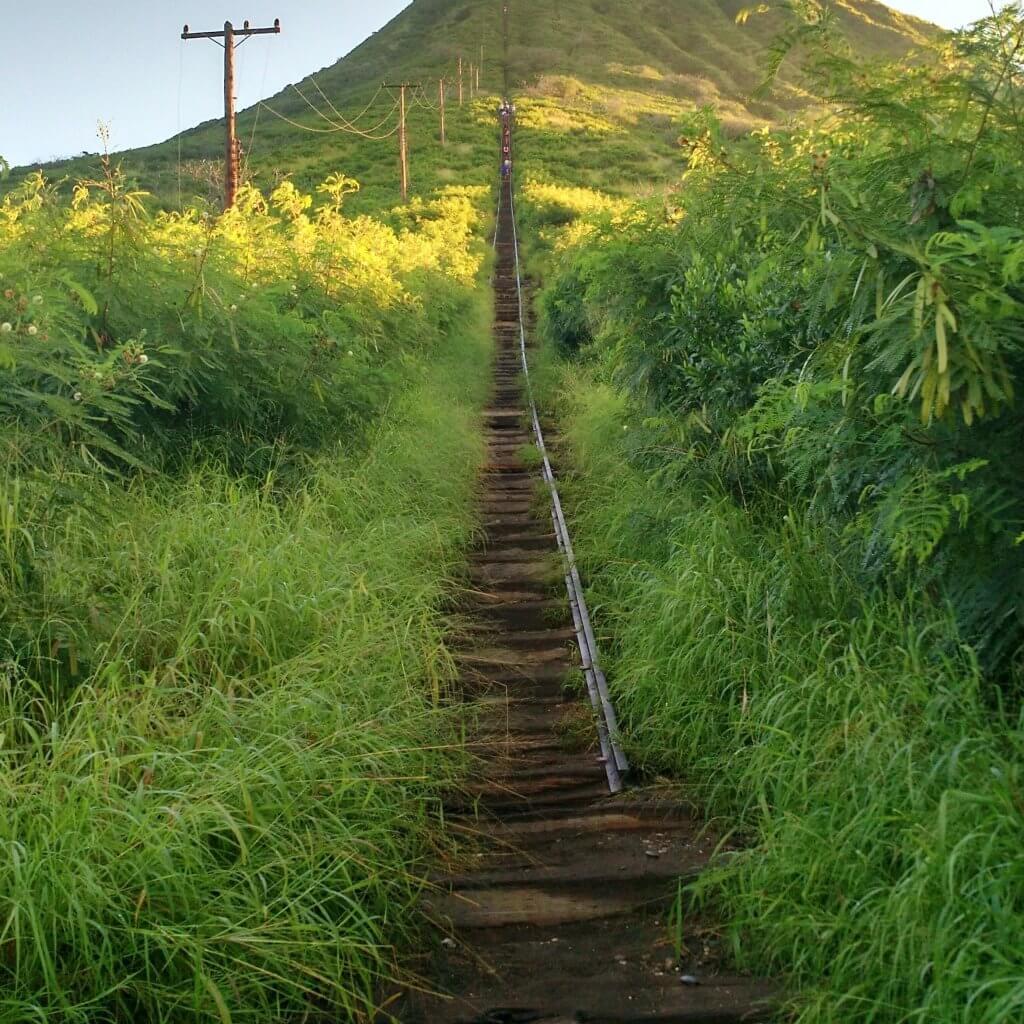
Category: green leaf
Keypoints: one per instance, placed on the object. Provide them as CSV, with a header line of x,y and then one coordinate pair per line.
x,y
940,344
89,303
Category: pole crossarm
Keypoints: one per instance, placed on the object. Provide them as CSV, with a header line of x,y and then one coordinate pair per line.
x,y
244,31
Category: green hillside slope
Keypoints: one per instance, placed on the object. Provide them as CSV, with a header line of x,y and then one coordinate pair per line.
x,y
605,82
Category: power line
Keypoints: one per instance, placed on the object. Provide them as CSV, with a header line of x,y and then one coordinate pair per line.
x,y
337,113
419,97
181,82
351,129
327,131
256,119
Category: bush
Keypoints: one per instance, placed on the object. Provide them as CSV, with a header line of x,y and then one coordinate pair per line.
x,y
833,319
798,478
845,733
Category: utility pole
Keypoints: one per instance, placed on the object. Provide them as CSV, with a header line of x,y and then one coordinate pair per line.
x,y
440,93
505,33
403,140
226,39
460,81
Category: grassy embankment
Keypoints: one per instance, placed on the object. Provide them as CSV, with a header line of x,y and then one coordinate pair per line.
x,y
797,498
226,553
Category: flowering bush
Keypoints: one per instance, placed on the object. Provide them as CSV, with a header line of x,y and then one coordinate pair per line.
x,y
220,593
121,330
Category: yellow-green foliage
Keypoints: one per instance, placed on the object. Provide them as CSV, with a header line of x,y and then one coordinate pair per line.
x,y
118,327
561,217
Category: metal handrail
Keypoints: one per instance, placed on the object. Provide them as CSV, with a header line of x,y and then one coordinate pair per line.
x,y
615,761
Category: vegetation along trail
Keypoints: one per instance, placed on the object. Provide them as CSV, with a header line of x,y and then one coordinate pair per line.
x,y
561,904
302,709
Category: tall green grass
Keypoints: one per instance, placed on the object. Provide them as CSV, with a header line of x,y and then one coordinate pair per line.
x,y
842,732
227,819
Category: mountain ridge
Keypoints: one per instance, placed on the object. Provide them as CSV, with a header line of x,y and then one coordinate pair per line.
x,y
648,61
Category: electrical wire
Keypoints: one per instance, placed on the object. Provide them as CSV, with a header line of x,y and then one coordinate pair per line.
x,y
256,119
316,110
419,98
366,133
337,113
181,81
329,131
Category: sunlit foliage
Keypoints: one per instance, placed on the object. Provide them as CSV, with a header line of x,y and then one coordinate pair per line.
x,y
837,313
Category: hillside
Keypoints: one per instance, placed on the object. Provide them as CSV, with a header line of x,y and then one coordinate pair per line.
x,y
596,76
294,701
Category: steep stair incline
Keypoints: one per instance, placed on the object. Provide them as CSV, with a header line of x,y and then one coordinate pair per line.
x,y
559,910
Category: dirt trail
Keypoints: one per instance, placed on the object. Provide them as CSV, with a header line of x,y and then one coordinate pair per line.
x,y
564,915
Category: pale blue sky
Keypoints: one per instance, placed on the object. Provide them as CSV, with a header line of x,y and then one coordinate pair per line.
x,y
951,13
67,65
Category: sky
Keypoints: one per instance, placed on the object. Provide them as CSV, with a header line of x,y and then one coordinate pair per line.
x,y
68,65
950,13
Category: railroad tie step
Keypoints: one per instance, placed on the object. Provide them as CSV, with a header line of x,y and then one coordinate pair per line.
x,y
530,612
657,883
541,652
546,679
533,991
508,504
525,638
496,564
511,554
605,819
533,538
525,905
512,473
521,521
522,770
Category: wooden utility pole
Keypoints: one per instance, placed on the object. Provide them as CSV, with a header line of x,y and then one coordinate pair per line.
x,y
440,100
226,38
505,33
403,139
460,81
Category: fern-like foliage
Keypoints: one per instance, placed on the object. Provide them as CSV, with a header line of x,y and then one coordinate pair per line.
x,y
836,315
